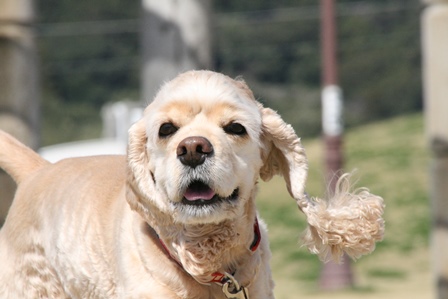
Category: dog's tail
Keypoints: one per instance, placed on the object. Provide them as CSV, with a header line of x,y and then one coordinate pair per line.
x,y
18,160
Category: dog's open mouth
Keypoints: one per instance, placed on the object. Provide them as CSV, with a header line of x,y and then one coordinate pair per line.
x,y
199,193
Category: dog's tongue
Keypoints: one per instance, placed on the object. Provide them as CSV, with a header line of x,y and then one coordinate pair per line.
x,y
197,191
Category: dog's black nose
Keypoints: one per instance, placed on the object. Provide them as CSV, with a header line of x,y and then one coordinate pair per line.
x,y
192,151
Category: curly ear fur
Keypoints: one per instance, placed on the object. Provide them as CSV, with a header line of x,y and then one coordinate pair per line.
x,y
348,222
137,168
283,153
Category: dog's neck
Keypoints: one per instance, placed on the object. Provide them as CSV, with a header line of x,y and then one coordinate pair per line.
x,y
202,250
207,250
190,249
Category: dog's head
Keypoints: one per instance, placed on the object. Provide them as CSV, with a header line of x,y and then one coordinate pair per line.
x,y
202,144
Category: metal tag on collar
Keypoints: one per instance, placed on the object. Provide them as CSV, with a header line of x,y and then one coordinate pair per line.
x,y
232,289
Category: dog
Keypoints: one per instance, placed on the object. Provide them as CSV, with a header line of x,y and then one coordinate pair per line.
x,y
175,217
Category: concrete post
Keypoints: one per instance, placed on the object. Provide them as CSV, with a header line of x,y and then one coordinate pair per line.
x,y
176,38
19,114
435,79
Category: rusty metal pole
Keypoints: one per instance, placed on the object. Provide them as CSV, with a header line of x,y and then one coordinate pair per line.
x,y
333,276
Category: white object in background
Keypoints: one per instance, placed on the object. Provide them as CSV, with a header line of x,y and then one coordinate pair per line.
x,y
57,152
332,110
118,117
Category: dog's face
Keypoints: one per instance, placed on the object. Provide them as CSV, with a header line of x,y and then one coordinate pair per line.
x,y
199,149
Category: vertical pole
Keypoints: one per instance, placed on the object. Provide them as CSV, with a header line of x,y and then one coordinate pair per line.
x,y
333,276
19,96
328,39
435,78
176,38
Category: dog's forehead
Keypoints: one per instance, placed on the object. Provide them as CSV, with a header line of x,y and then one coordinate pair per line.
x,y
206,92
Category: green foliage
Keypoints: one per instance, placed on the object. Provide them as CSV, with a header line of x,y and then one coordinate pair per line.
x,y
68,121
380,64
86,10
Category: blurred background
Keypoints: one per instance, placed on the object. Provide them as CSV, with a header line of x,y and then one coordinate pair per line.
x,y
90,54
97,63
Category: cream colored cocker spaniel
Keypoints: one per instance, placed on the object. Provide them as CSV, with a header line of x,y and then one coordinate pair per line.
x,y
176,217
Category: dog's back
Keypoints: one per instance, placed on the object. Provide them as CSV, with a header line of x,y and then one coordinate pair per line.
x,y
56,208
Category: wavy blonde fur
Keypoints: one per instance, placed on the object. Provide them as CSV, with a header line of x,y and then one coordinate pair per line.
x,y
350,222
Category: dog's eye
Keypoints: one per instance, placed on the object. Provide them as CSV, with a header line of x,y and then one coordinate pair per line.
x,y
235,129
167,129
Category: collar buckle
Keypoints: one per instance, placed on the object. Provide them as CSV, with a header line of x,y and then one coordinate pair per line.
x,y
232,289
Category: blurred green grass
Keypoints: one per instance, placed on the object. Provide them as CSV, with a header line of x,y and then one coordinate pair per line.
x,y
391,159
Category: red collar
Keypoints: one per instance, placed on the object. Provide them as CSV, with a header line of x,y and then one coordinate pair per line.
x,y
219,277
257,236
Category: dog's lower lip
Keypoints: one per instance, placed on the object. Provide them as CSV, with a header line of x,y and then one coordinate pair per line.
x,y
215,199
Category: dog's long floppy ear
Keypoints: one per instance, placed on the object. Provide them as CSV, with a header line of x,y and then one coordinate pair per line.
x,y
283,153
140,182
349,221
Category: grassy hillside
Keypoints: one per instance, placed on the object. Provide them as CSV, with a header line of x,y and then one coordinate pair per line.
x,y
392,161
